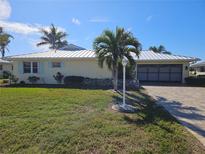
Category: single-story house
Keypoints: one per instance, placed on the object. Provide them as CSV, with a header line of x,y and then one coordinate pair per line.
x,y
150,66
199,68
5,66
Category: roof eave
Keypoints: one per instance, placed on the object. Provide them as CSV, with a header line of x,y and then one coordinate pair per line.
x,y
170,60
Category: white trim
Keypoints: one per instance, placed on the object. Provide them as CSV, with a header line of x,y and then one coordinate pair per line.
x,y
31,68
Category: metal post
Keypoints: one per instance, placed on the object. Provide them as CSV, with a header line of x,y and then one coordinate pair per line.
x,y
123,86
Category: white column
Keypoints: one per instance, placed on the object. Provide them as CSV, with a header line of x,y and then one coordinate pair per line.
x,y
136,72
124,85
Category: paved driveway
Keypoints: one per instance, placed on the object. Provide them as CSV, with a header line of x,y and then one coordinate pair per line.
x,y
187,104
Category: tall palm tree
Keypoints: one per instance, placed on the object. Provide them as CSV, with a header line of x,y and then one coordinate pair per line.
x,y
5,39
111,47
160,49
53,37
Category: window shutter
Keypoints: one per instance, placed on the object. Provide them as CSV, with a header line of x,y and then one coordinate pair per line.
x,y
41,67
62,64
50,64
20,67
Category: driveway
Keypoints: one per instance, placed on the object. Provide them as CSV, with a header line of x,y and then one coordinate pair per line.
x,y
187,104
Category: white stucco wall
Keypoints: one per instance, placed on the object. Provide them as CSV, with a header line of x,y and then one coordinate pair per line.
x,y
70,67
185,72
77,67
185,64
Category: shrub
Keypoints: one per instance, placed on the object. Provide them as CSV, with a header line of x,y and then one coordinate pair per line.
x,y
22,82
33,79
195,81
13,78
58,77
74,81
5,81
6,74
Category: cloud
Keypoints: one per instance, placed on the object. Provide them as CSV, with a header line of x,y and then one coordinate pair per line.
x,y
99,20
22,28
5,9
75,21
149,18
129,29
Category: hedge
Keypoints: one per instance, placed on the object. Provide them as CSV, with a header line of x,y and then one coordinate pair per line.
x,y
195,81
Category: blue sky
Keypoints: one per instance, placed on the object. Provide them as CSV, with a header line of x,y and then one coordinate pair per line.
x,y
179,25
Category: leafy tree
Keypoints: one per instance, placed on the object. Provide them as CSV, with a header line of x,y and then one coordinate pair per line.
x,y
53,37
111,47
5,39
160,49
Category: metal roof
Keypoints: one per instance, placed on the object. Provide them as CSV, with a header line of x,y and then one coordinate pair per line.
x,y
57,54
153,56
4,61
144,55
199,64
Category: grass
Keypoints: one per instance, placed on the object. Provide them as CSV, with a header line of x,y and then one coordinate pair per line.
x,y
46,120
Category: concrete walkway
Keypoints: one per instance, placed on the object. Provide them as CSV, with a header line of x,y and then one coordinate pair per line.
x,y
187,104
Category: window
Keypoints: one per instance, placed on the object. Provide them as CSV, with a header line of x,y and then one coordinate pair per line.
x,y
30,67
202,69
56,64
26,67
35,67
1,67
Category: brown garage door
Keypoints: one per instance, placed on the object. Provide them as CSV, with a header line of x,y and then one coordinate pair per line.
x,y
160,73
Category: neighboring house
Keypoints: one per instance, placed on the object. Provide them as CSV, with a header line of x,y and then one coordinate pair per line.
x,y
199,68
5,66
150,66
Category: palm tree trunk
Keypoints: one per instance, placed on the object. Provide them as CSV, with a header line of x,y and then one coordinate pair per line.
x,y
114,76
3,52
117,78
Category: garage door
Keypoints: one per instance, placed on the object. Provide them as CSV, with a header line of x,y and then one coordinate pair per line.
x,y
160,73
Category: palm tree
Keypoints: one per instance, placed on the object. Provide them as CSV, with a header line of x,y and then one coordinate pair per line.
x,y
111,47
53,37
5,39
160,49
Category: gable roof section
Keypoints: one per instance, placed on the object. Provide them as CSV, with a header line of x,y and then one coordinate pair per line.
x,y
144,56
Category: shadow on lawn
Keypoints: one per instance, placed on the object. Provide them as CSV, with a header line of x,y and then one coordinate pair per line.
x,y
66,86
148,111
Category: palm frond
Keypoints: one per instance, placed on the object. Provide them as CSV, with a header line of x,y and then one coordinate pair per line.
x,y
5,39
55,38
42,43
110,47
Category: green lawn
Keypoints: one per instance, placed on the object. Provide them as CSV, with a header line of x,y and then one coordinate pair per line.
x,y
43,120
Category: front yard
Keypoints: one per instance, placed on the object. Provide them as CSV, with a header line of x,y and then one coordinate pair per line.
x,y
46,120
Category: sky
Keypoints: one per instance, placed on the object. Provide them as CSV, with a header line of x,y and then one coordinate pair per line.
x,y
179,25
